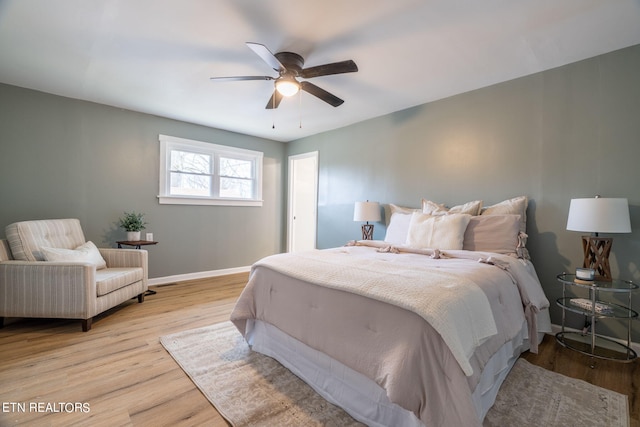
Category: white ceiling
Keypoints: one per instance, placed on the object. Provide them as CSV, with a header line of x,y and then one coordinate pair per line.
x,y
156,56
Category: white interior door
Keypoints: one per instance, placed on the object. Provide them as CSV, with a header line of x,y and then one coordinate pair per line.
x,y
303,202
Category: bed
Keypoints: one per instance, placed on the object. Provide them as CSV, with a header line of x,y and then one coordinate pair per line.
x,y
417,330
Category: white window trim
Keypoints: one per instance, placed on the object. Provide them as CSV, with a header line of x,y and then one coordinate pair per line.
x,y
168,143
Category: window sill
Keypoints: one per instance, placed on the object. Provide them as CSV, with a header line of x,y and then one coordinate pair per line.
x,y
176,200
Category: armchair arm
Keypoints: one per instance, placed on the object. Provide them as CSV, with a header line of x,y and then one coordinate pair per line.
x,y
47,289
123,258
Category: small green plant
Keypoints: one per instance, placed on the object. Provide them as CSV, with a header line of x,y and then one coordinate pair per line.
x,y
132,221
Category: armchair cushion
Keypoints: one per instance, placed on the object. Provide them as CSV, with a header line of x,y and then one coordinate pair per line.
x,y
112,279
27,237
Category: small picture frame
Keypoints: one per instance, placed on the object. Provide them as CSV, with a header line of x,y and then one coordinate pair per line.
x,y
149,237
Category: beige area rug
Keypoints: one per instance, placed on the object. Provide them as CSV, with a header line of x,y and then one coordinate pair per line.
x,y
249,389
533,396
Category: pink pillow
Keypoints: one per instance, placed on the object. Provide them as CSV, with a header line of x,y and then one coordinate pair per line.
x,y
514,206
492,233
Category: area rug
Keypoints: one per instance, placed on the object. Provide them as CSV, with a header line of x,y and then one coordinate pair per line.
x,y
533,396
249,389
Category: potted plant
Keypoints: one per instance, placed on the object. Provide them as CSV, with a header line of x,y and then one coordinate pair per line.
x,y
133,223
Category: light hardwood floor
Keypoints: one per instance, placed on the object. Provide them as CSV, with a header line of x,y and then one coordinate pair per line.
x,y
127,378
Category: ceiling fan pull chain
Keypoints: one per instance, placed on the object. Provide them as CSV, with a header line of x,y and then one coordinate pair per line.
x,y
300,107
273,112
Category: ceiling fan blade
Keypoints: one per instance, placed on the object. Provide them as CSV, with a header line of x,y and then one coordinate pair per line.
x,y
334,68
263,52
240,78
321,93
274,101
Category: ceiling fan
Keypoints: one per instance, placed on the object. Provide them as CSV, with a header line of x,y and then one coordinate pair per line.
x,y
289,68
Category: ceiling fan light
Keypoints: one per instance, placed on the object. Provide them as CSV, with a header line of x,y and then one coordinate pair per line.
x,y
287,87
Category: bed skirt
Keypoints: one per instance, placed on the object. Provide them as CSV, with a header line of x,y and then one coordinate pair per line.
x,y
358,395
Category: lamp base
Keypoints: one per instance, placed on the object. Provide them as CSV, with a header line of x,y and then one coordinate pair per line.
x,y
367,232
596,256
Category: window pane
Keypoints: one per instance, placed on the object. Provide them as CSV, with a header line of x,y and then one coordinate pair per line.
x,y
236,188
236,168
203,173
184,184
184,161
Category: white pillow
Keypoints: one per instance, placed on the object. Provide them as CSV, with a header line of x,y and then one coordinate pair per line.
x,y
398,228
437,232
87,252
391,209
433,208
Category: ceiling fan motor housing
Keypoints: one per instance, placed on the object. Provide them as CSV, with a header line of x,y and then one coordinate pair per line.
x,y
291,61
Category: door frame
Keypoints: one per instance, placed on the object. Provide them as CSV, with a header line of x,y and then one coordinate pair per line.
x,y
290,197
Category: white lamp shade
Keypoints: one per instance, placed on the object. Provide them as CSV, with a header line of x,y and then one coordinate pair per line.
x,y
367,211
599,215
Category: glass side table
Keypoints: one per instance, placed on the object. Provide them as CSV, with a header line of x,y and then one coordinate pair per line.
x,y
590,343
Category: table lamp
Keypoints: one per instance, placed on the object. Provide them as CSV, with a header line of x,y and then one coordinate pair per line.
x,y
367,211
598,215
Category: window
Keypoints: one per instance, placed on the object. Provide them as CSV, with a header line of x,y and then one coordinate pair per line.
x,y
199,173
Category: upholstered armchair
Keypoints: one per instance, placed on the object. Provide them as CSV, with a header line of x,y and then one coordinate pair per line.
x,y
48,270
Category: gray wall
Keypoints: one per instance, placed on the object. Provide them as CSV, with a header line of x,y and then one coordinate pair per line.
x,y
569,132
64,158
565,133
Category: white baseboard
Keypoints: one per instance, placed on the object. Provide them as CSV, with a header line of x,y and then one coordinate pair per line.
x,y
156,281
557,328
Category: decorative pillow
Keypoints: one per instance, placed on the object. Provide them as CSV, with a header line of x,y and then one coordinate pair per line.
x,y
393,209
515,206
87,252
437,231
398,228
493,233
398,223
433,208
